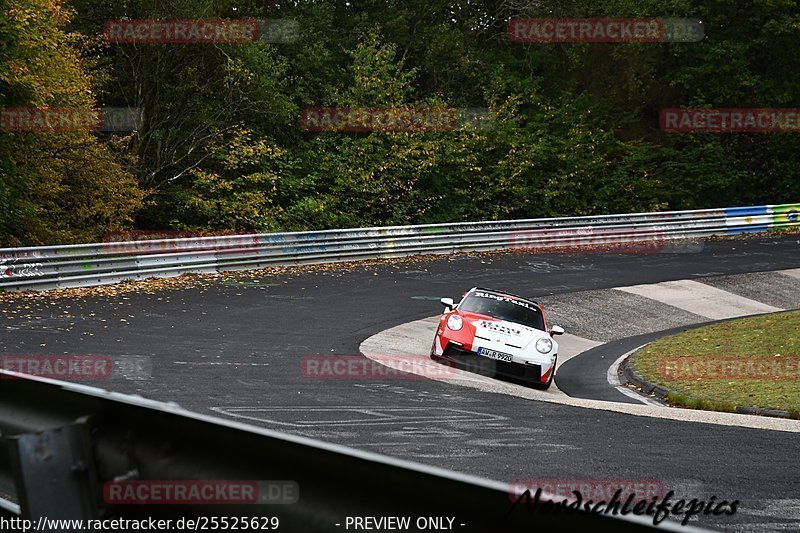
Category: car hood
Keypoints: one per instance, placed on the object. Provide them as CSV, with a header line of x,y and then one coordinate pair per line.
x,y
504,335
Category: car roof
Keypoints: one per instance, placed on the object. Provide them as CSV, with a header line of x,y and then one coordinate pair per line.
x,y
504,293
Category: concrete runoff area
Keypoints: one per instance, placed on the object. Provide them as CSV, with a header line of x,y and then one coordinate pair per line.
x,y
380,344
795,273
701,299
415,339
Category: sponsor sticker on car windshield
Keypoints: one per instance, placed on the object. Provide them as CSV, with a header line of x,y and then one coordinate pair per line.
x,y
501,298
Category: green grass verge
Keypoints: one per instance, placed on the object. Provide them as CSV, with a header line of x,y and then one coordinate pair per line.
x,y
682,363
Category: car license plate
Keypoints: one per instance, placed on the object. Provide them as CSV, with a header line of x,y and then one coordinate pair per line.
x,y
494,354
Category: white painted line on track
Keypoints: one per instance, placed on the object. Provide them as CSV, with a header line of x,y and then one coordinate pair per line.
x,y
218,363
794,272
613,379
315,416
700,299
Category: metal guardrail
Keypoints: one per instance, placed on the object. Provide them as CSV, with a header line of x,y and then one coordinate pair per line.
x,y
49,267
62,443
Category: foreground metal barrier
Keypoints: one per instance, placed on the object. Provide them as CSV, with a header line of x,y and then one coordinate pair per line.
x,y
66,442
49,267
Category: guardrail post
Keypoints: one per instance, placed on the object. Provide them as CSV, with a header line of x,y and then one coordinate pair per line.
x,y
54,473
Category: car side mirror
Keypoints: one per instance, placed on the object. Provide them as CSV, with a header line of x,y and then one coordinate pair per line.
x,y
448,303
557,330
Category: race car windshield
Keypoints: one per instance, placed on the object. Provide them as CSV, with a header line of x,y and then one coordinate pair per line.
x,y
504,308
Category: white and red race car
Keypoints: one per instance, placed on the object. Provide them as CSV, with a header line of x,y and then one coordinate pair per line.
x,y
495,327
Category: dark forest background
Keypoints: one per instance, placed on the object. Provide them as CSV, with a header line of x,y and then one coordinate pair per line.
x,y
575,127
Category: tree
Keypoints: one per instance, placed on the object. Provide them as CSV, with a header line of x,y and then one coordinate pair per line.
x,y
55,187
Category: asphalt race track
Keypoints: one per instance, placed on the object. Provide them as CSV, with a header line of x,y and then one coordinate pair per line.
x,y
234,348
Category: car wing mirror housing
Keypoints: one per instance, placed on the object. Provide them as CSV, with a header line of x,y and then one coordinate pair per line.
x,y
448,303
557,330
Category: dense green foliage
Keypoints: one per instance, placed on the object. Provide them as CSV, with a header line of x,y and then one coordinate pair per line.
x,y
54,187
575,126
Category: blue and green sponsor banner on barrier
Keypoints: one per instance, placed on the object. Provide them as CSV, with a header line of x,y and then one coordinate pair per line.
x,y
786,215
750,219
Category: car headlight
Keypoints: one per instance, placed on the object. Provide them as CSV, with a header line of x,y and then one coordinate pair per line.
x,y
544,345
455,323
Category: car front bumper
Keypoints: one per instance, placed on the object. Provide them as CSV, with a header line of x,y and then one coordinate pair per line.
x,y
468,360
